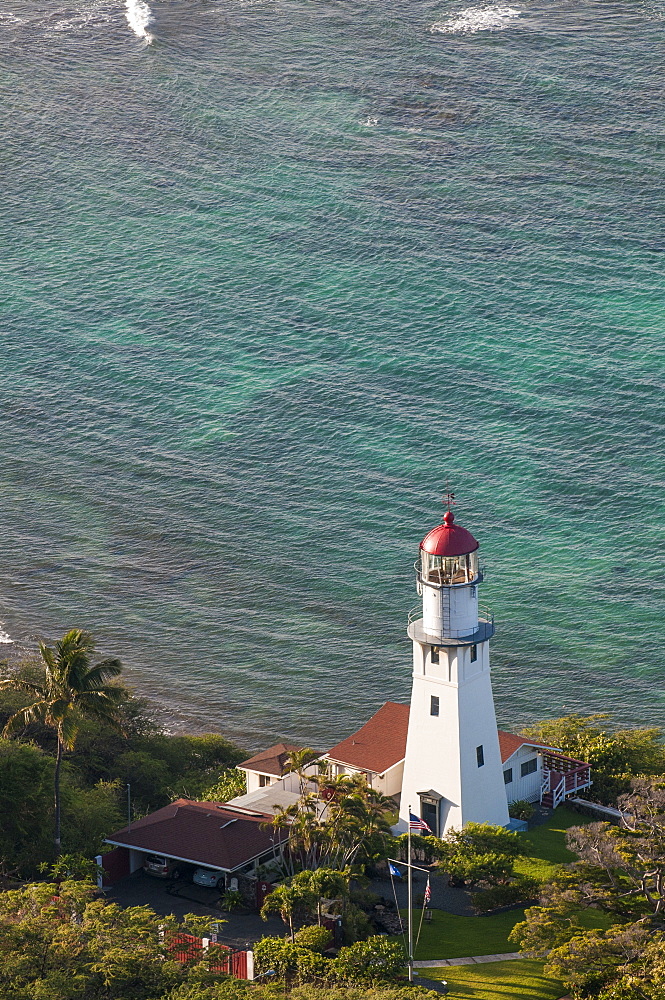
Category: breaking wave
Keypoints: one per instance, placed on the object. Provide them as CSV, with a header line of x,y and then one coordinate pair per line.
x,y
473,19
139,18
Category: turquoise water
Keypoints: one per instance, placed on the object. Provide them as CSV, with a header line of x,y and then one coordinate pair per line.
x,y
271,279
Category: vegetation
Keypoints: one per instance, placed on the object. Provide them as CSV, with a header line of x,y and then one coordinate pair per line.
x,y
70,690
621,874
545,846
615,755
107,755
235,990
452,936
337,823
375,960
60,941
521,809
480,854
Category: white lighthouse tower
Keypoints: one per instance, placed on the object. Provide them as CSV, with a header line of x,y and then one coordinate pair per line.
x,y
452,768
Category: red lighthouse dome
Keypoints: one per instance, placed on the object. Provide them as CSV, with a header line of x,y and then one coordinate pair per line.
x,y
449,539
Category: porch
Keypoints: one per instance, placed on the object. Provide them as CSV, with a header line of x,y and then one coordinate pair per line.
x,y
562,776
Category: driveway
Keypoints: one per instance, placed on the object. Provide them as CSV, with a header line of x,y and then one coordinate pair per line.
x,y
178,898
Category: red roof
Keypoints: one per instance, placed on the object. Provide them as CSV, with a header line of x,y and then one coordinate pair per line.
x,y
271,761
379,744
449,539
509,744
203,833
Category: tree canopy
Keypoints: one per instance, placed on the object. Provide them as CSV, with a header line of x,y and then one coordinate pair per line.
x,y
621,873
616,755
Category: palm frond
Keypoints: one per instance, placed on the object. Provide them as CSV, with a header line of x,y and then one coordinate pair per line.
x,y
68,729
25,716
102,672
18,684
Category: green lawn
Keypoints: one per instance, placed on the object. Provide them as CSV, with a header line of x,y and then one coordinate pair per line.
x,y
519,980
449,936
546,844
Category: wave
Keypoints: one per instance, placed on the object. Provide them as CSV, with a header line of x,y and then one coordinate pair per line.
x,y
139,18
473,19
5,637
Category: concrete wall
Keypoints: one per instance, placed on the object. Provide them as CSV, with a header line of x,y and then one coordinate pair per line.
x,y
441,751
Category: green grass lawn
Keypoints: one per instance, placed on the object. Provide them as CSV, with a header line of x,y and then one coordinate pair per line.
x,y
519,980
546,844
449,936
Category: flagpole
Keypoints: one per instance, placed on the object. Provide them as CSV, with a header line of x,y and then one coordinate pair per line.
x,y
410,899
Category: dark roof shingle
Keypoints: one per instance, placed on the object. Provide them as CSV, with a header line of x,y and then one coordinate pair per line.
x,y
204,833
271,761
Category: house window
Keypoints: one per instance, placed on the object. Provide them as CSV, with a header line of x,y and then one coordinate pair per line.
x,y
434,705
508,776
264,781
529,766
473,650
435,654
480,756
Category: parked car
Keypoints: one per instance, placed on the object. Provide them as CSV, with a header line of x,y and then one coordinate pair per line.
x,y
162,867
210,878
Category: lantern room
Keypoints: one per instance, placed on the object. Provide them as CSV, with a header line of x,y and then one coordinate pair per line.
x,y
448,554
447,578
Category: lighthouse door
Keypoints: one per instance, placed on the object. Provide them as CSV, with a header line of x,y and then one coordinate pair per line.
x,y
429,811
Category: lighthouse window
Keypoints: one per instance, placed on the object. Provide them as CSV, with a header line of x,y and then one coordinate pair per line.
x,y
435,654
508,776
529,767
473,650
480,756
434,705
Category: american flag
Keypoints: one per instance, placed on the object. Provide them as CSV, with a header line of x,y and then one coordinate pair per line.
x,y
417,825
428,893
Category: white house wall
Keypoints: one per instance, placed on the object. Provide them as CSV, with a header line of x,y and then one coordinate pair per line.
x,y
388,783
528,787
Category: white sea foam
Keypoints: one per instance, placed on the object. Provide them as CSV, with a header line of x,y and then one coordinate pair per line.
x,y
139,18
4,637
473,19
370,121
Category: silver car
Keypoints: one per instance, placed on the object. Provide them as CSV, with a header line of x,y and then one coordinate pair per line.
x,y
209,878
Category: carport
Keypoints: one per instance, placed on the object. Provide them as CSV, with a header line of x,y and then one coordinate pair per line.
x,y
227,839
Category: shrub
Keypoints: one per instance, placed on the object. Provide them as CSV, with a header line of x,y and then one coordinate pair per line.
x,y
290,962
314,938
355,925
231,900
521,809
521,890
376,960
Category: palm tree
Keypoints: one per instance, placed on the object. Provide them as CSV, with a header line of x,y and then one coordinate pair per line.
x,y
71,690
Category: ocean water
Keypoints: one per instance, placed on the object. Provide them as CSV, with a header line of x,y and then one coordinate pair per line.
x,y
276,271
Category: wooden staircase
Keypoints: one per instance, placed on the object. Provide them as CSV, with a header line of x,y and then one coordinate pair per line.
x,y
562,776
